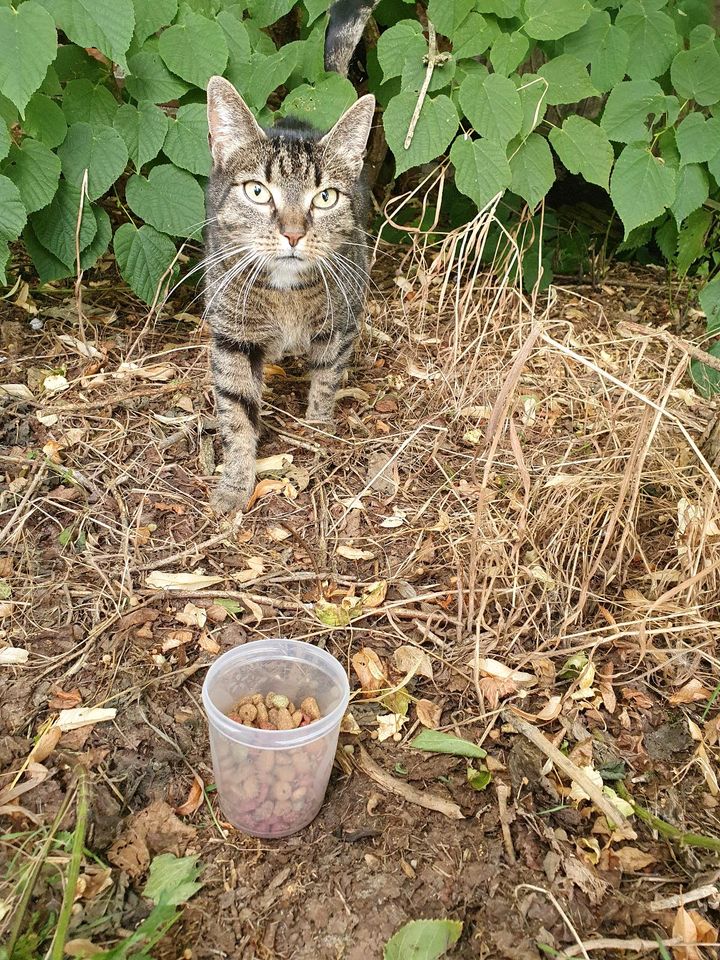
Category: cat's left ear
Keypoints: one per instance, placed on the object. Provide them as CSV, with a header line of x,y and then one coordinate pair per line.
x,y
231,125
348,138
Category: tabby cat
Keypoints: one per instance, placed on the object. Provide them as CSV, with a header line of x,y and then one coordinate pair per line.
x,y
287,258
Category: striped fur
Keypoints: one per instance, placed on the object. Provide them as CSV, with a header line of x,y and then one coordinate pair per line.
x,y
266,297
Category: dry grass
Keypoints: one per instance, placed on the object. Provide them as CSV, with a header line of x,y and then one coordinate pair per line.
x,y
541,468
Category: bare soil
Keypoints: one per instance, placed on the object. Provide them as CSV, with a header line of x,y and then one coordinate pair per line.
x,y
523,510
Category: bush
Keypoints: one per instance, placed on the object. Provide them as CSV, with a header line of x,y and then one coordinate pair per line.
x,y
625,93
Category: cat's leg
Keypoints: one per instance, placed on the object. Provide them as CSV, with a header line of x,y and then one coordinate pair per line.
x,y
328,359
237,367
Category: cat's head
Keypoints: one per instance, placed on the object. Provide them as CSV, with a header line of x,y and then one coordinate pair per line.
x,y
286,193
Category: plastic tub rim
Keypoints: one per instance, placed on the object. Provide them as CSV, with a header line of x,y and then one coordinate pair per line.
x,y
256,651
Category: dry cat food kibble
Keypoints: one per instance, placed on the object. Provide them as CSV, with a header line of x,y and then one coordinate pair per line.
x,y
274,711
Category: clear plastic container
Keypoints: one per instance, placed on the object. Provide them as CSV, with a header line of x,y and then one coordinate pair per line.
x,y
272,783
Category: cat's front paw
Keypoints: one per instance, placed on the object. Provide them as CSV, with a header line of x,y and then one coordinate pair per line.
x,y
227,499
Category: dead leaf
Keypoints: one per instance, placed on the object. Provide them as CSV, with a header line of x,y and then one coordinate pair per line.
x,y
420,373
390,725
691,928
156,829
631,859
275,464
45,745
278,534
85,349
7,608
412,661
82,948
255,609
371,671
156,372
354,553
352,393
93,880
692,692
13,656
62,699
176,638
180,581
194,800
55,383
428,713
208,644
375,595
349,724
16,391
551,710
255,569
84,717
192,615
267,487
398,518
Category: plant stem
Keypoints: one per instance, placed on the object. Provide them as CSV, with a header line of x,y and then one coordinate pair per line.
x,y
57,949
34,874
666,829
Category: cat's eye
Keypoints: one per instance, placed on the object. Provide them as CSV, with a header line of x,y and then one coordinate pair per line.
x,y
257,192
326,198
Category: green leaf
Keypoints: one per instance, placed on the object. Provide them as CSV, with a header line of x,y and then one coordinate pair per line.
x,y
414,70
143,257
35,171
666,237
88,102
315,8
100,242
695,73
396,44
447,16
505,9
693,189
257,79
532,100
481,169
12,219
143,128
29,46
267,12
320,105
627,109
584,148
435,129
532,169
423,940
151,15
698,139
236,37
609,63
5,140
478,779
105,24
642,186
553,19
57,223
73,63
475,37
186,143
691,239
150,79
508,52
568,80
710,304
433,741
706,379
172,880
492,105
100,149
45,121
653,38
584,42
194,49
48,266
170,200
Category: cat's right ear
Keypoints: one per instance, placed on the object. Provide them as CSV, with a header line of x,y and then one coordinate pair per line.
x,y
231,125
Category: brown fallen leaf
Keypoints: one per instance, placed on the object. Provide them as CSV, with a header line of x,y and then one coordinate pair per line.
x,y
631,859
81,949
691,692
194,800
428,713
156,829
413,661
691,928
371,671
64,699
93,880
45,745
208,643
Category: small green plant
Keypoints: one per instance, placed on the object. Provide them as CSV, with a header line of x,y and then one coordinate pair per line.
x,y
423,940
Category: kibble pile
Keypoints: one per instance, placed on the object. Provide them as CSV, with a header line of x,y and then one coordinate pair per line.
x,y
274,711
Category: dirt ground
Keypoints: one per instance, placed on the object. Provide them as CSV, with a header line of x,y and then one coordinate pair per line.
x,y
528,484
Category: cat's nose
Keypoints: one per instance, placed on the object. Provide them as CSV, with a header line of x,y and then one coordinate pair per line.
x,y
293,236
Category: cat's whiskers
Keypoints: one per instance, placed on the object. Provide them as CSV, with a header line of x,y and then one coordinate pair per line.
x,y
227,278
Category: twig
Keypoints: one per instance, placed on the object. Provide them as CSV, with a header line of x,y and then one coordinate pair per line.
x,y
680,899
8,533
666,829
572,770
423,798
635,945
697,353
566,919
57,949
503,793
431,59
78,267
193,551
